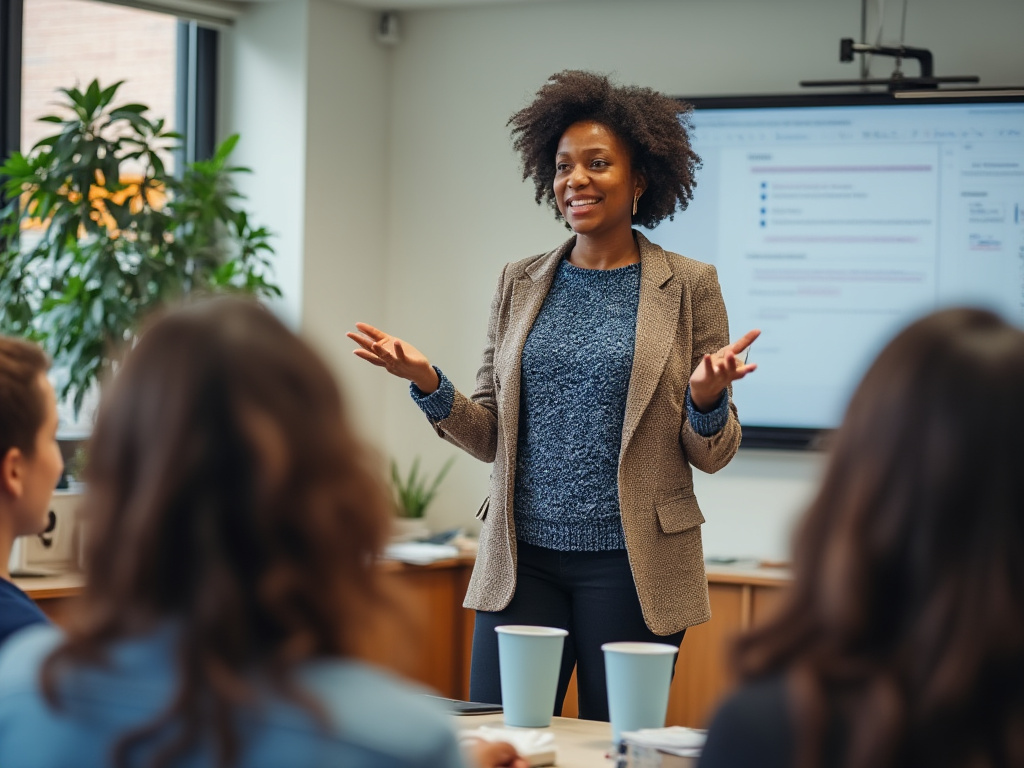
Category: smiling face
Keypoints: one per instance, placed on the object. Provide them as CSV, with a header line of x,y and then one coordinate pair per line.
x,y
594,180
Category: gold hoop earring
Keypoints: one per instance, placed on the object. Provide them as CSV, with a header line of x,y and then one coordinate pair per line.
x,y
635,198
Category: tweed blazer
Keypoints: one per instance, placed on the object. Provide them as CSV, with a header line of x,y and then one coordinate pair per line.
x,y
681,316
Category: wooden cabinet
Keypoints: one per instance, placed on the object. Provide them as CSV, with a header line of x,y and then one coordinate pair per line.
x,y
55,595
740,599
422,633
427,636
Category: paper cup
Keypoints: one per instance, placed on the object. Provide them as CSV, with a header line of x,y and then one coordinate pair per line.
x,y
529,659
638,677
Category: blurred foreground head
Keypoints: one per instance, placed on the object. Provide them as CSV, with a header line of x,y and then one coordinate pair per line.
x,y
906,619
228,496
227,489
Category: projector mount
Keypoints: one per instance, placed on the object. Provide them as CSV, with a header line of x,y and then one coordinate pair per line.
x,y
897,81
926,80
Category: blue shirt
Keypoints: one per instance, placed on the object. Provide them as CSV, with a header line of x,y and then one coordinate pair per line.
x,y
374,721
16,611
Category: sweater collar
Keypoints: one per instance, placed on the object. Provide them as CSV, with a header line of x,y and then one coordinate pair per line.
x,y
654,265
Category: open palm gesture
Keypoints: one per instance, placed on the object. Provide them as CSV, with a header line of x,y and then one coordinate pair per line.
x,y
718,370
397,357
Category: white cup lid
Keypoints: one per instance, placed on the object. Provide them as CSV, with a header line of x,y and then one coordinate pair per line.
x,y
636,647
526,629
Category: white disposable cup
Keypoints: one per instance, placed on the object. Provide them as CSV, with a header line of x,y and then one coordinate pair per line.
x,y
638,677
529,659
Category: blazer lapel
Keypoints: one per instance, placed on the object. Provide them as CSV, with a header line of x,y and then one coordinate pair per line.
x,y
656,324
528,294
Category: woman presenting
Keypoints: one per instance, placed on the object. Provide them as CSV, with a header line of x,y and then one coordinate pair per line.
x,y
606,375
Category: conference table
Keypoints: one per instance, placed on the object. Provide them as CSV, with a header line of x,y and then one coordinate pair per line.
x,y
579,743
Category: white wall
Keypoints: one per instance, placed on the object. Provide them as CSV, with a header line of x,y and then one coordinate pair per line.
x,y
263,97
346,214
411,194
307,87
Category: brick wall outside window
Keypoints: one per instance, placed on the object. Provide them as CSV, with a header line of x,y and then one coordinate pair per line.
x,y
69,42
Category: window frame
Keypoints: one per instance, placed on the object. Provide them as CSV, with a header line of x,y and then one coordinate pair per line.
x,y
11,28
196,84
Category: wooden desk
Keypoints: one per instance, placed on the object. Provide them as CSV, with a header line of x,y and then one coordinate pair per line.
x,y
431,641
427,638
54,594
740,599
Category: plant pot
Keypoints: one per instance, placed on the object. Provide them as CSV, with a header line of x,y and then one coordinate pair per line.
x,y
408,529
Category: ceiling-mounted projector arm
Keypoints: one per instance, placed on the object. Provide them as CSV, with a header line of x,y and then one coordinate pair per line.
x,y
897,81
847,48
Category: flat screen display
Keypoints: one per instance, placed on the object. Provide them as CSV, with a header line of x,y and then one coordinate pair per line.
x,y
834,221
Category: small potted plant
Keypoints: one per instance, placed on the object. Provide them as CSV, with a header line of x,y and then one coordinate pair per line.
x,y
413,494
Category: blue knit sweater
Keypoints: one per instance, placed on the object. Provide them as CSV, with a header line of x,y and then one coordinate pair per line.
x,y
576,367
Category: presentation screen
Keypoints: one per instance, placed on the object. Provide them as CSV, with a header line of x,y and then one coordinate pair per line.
x,y
834,221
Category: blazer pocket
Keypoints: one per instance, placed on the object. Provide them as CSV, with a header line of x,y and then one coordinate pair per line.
x,y
679,513
481,514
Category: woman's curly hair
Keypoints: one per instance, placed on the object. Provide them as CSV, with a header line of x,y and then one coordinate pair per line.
x,y
654,127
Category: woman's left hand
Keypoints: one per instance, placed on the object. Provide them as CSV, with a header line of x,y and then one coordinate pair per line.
x,y
717,371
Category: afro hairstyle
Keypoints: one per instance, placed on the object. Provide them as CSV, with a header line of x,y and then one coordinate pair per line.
x,y
654,127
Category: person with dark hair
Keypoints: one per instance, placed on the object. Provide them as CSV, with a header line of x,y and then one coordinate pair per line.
x,y
234,526
901,643
30,466
606,375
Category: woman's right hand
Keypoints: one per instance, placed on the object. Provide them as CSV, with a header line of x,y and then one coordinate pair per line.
x,y
394,355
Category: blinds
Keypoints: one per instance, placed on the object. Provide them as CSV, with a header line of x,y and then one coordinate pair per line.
x,y
214,13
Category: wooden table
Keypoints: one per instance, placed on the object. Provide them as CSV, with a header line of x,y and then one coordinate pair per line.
x,y
55,594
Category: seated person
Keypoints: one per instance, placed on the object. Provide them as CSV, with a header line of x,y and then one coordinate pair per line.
x,y
30,466
235,520
901,643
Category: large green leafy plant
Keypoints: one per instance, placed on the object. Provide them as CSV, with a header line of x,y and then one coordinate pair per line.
x,y
97,233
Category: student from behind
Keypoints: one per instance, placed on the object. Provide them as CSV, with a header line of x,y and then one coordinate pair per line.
x,y
30,466
235,521
902,641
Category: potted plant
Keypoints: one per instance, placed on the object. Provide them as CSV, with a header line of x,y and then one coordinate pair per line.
x,y
413,494
97,233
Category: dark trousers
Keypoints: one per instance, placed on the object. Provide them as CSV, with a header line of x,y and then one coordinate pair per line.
x,y
590,594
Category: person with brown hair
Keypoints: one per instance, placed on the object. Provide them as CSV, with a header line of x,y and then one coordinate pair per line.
x,y
234,525
605,377
901,644
30,466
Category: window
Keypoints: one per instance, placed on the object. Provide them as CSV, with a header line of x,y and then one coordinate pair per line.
x,y
165,63
71,42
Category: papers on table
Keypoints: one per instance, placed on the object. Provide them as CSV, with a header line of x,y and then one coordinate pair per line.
x,y
536,746
649,747
419,553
